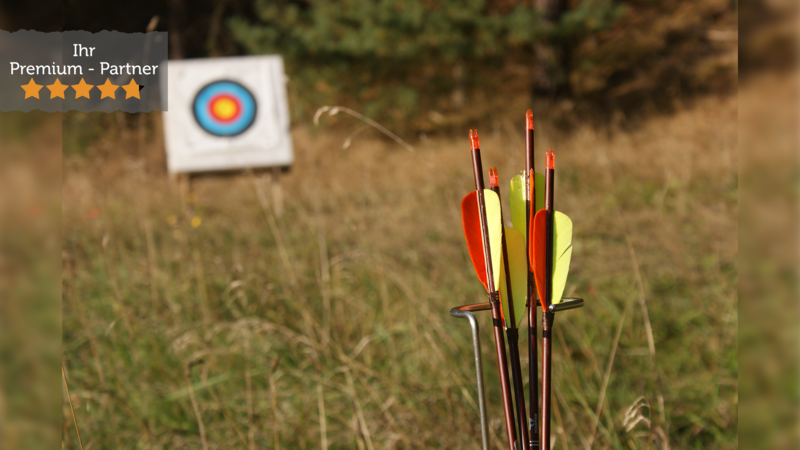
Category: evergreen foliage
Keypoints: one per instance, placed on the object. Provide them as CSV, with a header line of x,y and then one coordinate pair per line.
x,y
394,59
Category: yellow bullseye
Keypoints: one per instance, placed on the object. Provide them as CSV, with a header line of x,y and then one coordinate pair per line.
x,y
224,108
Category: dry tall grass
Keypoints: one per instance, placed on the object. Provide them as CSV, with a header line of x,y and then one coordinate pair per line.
x,y
328,326
30,319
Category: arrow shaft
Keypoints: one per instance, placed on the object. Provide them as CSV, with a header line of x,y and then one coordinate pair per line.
x,y
505,387
519,389
494,298
533,358
549,181
547,320
479,186
547,344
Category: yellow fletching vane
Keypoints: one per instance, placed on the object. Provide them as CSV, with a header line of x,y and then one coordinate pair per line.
x,y
562,253
517,265
494,223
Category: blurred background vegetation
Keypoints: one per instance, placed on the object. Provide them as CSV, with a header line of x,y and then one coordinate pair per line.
x,y
413,62
421,65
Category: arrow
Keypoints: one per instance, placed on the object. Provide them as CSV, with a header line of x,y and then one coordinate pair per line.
x,y
489,280
532,191
549,251
513,283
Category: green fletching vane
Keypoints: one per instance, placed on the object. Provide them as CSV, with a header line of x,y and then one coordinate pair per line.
x,y
518,266
516,197
516,194
494,223
562,253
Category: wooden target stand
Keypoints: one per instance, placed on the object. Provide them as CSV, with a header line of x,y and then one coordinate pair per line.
x,y
270,176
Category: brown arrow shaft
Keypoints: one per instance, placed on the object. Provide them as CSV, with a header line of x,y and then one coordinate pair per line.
x,y
494,298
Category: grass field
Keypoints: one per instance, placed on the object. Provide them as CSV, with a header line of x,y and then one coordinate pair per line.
x,y
326,325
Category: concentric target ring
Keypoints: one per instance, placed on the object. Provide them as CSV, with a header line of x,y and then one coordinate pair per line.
x,y
224,108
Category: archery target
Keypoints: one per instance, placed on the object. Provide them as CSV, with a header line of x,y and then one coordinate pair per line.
x,y
226,113
224,108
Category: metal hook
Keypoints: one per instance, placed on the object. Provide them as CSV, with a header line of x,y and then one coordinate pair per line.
x,y
566,303
465,312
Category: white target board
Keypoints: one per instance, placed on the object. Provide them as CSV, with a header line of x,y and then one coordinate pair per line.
x,y
226,113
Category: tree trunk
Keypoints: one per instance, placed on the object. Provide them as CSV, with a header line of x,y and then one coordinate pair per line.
x,y
551,62
177,16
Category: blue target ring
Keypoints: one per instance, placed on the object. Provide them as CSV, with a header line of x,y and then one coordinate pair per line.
x,y
224,108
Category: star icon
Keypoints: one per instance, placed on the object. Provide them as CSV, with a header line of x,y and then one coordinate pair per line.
x,y
131,89
82,89
107,89
57,89
31,89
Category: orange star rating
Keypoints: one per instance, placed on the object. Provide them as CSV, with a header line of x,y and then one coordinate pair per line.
x,y
107,89
31,89
131,89
82,89
57,89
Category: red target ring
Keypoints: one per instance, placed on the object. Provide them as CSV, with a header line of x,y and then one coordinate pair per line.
x,y
224,108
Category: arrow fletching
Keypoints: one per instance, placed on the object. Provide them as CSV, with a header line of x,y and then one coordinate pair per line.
x,y
516,197
515,244
494,223
470,218
562,253
536,250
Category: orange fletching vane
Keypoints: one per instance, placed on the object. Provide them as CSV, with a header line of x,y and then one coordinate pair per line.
x,y
529,120
536,252
470,218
